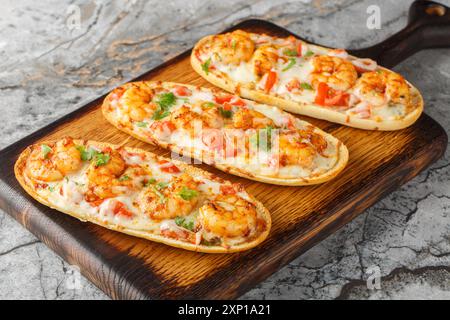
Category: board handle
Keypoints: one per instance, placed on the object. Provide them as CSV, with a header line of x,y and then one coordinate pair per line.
x,y
428,27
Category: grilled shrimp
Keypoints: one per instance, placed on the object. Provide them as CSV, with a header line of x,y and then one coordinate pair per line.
x,y
379,87
293,151
177,199
103,178
211,116
338,73
52,163
264,59
250,119
136,102
233,48
227,216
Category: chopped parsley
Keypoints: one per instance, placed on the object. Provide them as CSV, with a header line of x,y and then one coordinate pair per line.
x,y
184,223
290,53
162,198
45,150
99,158
162,185
291,63
51,188
164,102
233,44
226,113
187,194
142,124
309,53
208,104
150,182
205,66
306,86
124,178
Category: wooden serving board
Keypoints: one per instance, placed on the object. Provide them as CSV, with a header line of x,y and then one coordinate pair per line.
x,y
128,268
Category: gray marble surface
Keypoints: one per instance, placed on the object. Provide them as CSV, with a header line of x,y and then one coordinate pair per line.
x,y
48,69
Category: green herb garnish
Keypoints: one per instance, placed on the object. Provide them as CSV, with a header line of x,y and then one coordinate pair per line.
x,y
45,150
164,102
142,124
150,182
187,194
309,53
124,178
162,185
208,104
51,189
290,53
306,86
205,66
291,63
184,223
101,159
226,113
86,155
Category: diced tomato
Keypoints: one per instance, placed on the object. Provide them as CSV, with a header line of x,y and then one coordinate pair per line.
x,y
223,98
270,81
299,49
227,189
238,102
168,167
121,208
322,93
340,99
329,97
95,203
227,106
182,91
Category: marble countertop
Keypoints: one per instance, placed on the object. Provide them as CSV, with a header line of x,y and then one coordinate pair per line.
x,y
51,65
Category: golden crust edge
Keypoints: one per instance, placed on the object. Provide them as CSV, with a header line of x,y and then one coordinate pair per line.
x,y
18,172
343,154
309,110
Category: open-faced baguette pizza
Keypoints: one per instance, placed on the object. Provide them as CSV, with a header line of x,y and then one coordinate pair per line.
x,y
251,140
307,79
144,195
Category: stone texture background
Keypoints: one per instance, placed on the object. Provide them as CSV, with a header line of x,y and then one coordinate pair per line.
x,y
48,70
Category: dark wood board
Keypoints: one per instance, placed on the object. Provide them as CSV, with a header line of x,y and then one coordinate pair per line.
x,y
130,268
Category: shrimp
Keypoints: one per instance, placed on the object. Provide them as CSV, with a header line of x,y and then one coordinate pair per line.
x,y
338,73
211,116
233,48
264,59
227,216
185,118
379,87
102,178
293,151
136,102
178,199
250,119
52,163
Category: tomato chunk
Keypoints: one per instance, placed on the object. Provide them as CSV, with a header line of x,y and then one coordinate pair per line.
x,y
270,81
121,208
182,91
322,93
223,98
168,167
299,49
